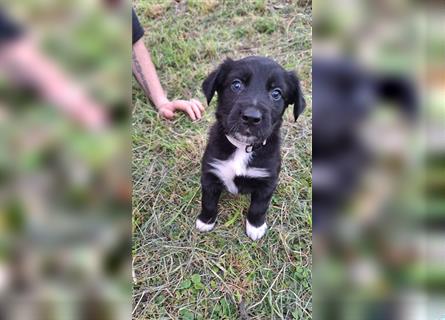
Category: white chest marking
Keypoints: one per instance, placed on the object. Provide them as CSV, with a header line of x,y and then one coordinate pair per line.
x,y
235,166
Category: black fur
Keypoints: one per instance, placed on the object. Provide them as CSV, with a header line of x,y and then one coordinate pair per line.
x,y
259,77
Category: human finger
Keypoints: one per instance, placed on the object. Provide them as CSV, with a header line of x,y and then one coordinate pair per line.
x,y
199,104
186,107
196,110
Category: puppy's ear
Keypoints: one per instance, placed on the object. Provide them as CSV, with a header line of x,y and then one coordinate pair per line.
x,y
296,95
214,79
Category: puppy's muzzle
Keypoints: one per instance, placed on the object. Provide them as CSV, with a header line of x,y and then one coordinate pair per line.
x,y
251,116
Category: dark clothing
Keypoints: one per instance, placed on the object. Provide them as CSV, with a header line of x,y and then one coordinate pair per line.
x,y
8,29
138,31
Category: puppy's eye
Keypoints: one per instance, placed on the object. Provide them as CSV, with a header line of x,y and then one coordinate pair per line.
x,y
237,85
276,94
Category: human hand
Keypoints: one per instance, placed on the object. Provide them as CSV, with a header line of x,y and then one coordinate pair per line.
x,y
192,107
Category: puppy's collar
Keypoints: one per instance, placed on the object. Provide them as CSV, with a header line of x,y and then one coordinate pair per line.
x,y
246,146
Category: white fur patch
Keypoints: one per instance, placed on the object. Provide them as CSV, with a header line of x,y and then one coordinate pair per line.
x,y
236,165
204,227
255,233
244,139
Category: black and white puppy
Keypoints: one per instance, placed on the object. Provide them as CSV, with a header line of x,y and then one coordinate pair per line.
x,y
243,151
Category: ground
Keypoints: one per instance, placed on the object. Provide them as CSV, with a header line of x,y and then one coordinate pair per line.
x,y
179,272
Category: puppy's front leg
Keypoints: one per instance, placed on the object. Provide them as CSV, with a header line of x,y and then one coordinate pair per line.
x,y
209,202
256,216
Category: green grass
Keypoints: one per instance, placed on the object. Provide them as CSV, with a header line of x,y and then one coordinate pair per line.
x,y
183,274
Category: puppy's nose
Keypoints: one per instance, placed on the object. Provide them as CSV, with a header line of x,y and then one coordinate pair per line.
x,y
251,116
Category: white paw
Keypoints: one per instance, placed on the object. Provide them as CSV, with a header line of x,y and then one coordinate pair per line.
x,y
204,227
255,233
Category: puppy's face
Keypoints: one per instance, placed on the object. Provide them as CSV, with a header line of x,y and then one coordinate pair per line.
x,y
253,94
350,94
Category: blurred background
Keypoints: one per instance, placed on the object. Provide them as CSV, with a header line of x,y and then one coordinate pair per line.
x,y
65,218
378,160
